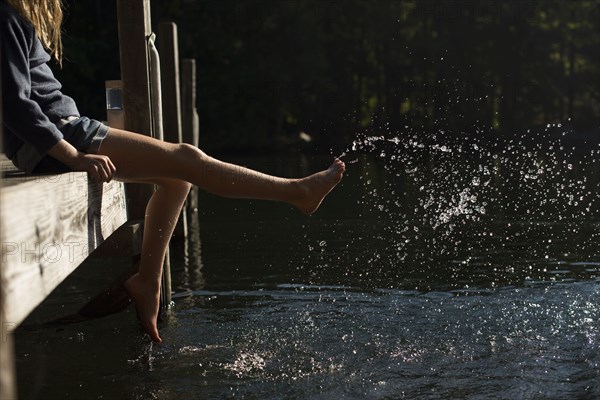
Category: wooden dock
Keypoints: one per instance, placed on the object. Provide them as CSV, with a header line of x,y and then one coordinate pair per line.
x,y
50,224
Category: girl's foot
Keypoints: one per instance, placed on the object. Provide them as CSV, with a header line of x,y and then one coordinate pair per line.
x,y
147,300
315,187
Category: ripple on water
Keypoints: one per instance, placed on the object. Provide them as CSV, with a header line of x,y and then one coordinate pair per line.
x,y
313,342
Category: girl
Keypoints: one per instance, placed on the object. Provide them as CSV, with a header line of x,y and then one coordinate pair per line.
x,y
43,132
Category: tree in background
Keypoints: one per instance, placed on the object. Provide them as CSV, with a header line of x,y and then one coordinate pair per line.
x,y
269,69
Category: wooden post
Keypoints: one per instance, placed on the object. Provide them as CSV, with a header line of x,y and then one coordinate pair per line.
x,y
157,123
135,53
134,28
188,93
171,101
169,63
190,122
7,359
155,90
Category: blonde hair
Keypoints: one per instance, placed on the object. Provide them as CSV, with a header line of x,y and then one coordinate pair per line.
x,y
46,17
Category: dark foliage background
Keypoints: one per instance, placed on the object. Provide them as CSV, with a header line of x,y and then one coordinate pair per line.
x,y
270,69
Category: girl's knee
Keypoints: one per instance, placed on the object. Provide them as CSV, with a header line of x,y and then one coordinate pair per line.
x,y
182,186
187,150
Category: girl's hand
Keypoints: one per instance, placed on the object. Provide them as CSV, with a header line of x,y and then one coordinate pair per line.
x,y
99,168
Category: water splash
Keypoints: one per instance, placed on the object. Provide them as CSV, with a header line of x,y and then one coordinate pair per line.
x,y
427,198
246,363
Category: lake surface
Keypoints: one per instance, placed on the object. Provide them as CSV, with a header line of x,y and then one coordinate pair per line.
x,y
431,272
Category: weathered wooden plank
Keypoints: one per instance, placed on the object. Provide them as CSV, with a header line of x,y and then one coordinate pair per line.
x,y
48,228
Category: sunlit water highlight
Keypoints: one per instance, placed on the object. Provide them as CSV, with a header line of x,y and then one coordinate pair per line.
x,y
297,341
434,271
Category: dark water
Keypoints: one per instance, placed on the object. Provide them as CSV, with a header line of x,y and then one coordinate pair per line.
x,y
432,272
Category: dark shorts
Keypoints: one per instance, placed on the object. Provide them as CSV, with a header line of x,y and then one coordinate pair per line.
x,y
83,133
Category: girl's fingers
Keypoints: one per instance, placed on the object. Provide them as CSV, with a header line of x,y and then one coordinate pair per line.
x,y
100,168
95,173
110,169
107,172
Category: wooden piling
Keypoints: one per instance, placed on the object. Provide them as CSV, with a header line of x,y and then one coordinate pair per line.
x,y
158,132
188,94
189,117
168,47
134,28
169,62
155,90
137,55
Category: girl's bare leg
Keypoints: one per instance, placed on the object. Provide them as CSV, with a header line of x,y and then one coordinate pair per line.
x,y
162,212
171,166
140,157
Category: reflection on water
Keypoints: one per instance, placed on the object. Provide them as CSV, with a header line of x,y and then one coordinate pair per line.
x,y
302,341
190,272
431,272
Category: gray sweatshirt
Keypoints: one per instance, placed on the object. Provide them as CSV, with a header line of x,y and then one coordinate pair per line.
x,y
31,97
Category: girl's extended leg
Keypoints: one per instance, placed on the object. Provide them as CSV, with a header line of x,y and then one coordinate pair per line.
x,y
140,157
